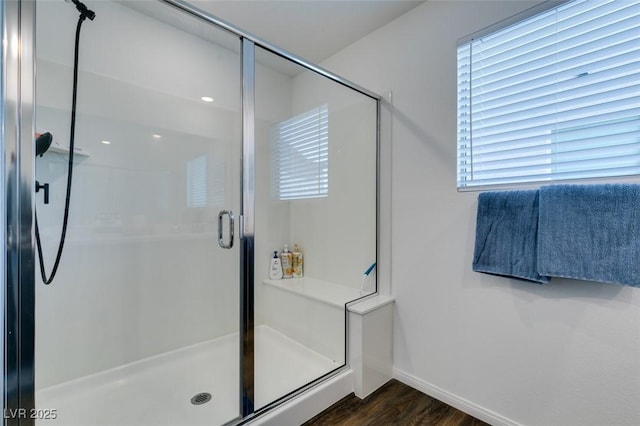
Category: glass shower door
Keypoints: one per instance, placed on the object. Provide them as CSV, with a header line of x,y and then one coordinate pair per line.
x,y
315,167
140,325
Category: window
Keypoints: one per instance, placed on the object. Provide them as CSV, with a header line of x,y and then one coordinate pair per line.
x,y
217,195
555,96
299,156
197,182
199,193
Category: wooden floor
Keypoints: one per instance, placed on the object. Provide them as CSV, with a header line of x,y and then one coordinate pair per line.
x,y
393,404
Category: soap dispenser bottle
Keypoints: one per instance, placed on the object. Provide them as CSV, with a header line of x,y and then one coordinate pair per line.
x,y
297,263
275,272
286,260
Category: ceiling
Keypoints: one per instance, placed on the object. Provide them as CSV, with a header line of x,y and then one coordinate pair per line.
x,y
311,29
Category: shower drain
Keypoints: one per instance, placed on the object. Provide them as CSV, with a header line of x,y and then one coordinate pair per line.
x,y
201,398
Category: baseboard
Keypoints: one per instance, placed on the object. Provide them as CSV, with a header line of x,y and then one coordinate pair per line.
x,y
453,400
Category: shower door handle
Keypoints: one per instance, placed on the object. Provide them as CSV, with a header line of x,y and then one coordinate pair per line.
x,y
221,242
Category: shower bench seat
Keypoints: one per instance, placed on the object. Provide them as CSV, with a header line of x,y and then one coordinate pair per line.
x,y
309,310
322,291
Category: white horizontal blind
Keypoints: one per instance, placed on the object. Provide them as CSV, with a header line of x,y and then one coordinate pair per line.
x,y
197,182
217,194
556,96
206,184
300,157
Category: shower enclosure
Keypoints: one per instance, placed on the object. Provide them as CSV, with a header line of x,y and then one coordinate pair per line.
x,y
200,150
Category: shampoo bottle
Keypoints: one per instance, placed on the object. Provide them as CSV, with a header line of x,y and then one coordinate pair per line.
x,y
296,257
285,258
275,272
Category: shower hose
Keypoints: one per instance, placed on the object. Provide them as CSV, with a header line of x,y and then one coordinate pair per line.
x,y
67,201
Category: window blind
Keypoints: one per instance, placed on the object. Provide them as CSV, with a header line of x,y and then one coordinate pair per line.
x,y
217,195
300,157
555,96
197,182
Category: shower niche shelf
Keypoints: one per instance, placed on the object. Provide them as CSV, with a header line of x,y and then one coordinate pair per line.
x,y
60,149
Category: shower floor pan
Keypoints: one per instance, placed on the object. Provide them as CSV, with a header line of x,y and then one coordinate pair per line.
x,y
158,391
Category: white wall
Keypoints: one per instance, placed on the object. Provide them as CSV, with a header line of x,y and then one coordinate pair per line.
x,y
510,352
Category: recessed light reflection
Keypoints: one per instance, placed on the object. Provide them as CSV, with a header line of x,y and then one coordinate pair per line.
x,y
207,99
156,136
106,142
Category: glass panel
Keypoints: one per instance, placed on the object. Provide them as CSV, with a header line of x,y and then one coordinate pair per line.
x,y
143,313
315,187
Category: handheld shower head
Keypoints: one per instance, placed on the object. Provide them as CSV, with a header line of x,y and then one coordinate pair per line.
x,y
43,142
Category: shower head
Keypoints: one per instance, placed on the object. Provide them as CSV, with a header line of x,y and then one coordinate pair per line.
x,y
43,142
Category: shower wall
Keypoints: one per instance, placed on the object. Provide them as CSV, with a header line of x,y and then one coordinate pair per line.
x,y
141,273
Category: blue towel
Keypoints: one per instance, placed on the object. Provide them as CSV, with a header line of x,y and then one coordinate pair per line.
x,y
506,235
590,232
